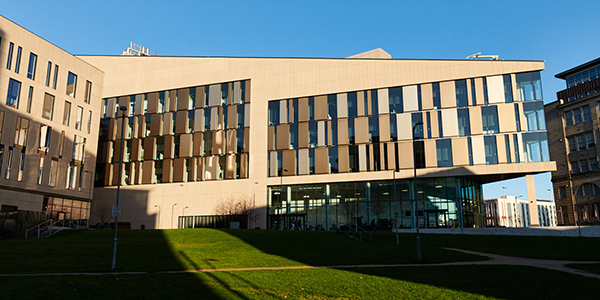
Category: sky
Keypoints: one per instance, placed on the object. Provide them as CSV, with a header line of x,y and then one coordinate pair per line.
x,y
561,33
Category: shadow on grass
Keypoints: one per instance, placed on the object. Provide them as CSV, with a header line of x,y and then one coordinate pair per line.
x,y
91,252
513,282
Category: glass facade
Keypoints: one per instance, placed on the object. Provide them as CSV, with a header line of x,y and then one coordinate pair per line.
x,y
376,205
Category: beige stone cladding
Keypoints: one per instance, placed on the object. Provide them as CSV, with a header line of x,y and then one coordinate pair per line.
x,y
47,153
286,79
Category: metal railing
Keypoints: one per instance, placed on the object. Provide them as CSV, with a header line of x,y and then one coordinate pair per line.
x,y
47,224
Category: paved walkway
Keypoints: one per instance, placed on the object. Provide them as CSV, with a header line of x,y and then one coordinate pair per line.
x,y
494,259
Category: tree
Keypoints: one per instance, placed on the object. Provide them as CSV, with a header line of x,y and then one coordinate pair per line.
x,y
103,211
349,209
243,205
378,208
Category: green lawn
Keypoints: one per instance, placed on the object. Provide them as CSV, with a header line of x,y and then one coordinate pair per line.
x,y
161,250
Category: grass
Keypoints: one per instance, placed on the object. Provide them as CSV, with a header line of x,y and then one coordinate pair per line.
x,y
155,250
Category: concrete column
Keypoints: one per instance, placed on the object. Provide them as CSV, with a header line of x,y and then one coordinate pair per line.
x,y
533,210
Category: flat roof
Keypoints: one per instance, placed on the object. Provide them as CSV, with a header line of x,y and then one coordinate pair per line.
x,y
569,72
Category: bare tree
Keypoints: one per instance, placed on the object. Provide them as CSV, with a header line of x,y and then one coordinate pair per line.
x,y
378,209
349,209
103,211
242,205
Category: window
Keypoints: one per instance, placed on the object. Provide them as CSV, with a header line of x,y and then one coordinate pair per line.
x,y
491,150
536,146
48,71
71,84
40,170
534,115
395,96
562,192
507,88
29,99
88,92
8,163
418,130
11,46
587,189
462,99
572,144
489,118
464,127
352,105
18,62
332,107
581,142
529,86
569,118
586,113
14,90
590,140
48,108
53,172
577,115
32,66
373,130
444,152
89,123
45,135
224,93
435,90
67,113
79,118
55,76
274,113
473,93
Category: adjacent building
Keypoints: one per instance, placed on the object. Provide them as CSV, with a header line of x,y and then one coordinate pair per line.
x,y
573,125
49,118
315,143
510,211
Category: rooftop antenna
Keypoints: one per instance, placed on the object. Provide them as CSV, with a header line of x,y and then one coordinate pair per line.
x,y
136,50
478,55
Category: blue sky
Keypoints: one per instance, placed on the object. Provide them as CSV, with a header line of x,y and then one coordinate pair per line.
x,y
562,33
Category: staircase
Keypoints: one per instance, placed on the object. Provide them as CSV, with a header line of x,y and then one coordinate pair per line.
x,y
49,228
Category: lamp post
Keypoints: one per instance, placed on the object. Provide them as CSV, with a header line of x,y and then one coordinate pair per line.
x,y
415,188
504,203
114,252
355,207
172,213
158,216
87,222
183,214
396,208
281,199
576,208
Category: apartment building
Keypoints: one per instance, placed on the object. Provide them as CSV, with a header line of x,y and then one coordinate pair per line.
x,y
511,211
48,125
573,125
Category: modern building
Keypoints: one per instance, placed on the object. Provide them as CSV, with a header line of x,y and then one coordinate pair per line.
x,y
573,122
49,122
319,143
510,211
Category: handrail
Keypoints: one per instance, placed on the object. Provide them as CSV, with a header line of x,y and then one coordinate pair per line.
x,y
359,230
38,227
360,233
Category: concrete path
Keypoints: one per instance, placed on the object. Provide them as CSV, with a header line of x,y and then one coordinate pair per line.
x,y
494,259
572,231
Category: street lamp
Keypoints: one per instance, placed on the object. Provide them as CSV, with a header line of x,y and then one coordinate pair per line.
x,y
281,199
415,187
396,208
87,222
183,214
158,216
114,254
172,213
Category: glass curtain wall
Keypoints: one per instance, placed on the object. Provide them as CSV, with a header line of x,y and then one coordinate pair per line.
x,y
376,205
